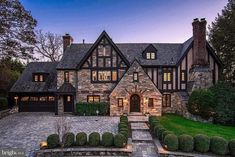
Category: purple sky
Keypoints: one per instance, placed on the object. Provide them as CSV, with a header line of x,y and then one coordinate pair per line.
x,y
124,20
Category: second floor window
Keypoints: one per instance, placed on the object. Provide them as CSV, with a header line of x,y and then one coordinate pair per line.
x,y
183,76
104,75
150,55
38,78
66,76
167,76
135,77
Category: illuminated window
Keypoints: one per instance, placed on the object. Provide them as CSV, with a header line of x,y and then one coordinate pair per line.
x,y
114,75
43,99
166,100
36,78
41,78
93,98
150,102
68,98
51,98
120,102
25,98
94,75
167,76
150,55
183,77
66,76
33,98
104,75
135,76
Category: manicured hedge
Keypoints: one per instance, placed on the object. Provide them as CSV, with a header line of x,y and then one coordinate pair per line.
x,y
159,133
201,143
89,109
53,141
219,145
171,142
81,139
119,140
107,139
186,143
68,139
166,133
94,139
232,147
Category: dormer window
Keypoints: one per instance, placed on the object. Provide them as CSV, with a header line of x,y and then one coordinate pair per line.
x,y
37,77
150,55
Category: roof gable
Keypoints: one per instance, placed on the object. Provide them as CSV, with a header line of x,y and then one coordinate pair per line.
x,y
150,48
102,36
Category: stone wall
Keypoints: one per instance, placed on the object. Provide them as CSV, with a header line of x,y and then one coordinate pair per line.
x,y
60,77
60,105
145,88
178,106
85,87
201,77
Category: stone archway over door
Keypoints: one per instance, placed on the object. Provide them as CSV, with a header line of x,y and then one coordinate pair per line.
x,y
135,103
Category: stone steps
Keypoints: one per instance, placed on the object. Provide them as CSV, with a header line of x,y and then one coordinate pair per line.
x,y
137,119
139,126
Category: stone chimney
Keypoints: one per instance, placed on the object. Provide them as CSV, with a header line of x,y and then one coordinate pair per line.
x,y
200,56
200,74
67,41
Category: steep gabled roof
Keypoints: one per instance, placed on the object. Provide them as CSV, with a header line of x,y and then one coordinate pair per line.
x,y
25,83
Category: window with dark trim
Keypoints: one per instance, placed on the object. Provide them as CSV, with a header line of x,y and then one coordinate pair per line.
x,y
183,76
167,76
120,102
150,102
135,76
150,55
37,77
93,98
166,100
66,76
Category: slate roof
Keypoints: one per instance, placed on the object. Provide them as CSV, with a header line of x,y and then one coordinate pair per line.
x,y
25,83
167,53
66,88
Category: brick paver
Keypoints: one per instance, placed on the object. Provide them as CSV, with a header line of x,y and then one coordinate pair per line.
x,y
26,130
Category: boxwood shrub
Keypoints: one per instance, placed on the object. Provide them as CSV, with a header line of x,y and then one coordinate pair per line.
x,y
166,133
159,133
201,143
232,147
119,140
53,141
125,134
219,145
68,139
156,130
89,109
186,143
81,139
94,139
171,142
107,139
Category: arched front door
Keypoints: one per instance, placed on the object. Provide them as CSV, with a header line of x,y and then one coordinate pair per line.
x,y
135,103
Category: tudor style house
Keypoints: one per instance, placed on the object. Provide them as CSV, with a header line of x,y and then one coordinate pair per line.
x,y
131,77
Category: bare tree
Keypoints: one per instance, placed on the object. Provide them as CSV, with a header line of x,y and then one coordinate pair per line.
x,y
49,45
62,127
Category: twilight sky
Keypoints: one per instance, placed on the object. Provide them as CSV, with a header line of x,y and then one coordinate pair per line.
x,y
124,20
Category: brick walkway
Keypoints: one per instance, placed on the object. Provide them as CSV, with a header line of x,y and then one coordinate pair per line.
x,y
141,138
26,130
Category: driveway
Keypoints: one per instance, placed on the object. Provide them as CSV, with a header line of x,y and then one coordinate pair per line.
x,y
26,130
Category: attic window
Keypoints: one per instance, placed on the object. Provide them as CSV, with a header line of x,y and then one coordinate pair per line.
x,y
38,77
150,55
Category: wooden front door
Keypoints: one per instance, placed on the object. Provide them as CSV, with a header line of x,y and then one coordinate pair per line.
x,y
68,103
135,103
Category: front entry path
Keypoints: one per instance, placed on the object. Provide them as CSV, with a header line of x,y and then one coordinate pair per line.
x,y
26,130
142,141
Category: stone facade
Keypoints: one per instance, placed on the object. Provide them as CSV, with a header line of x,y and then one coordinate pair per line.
x,y
145,88
200,77
85,87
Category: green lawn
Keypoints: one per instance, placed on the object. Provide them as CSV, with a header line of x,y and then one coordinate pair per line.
x,y
180,125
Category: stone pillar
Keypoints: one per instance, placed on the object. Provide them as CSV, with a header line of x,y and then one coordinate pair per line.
x,y
60,105
200,77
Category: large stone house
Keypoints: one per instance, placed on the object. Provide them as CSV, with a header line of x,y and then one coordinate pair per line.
x,y
131,77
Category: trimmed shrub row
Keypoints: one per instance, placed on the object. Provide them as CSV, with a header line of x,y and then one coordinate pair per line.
x,y
186,143
90,109
122,136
